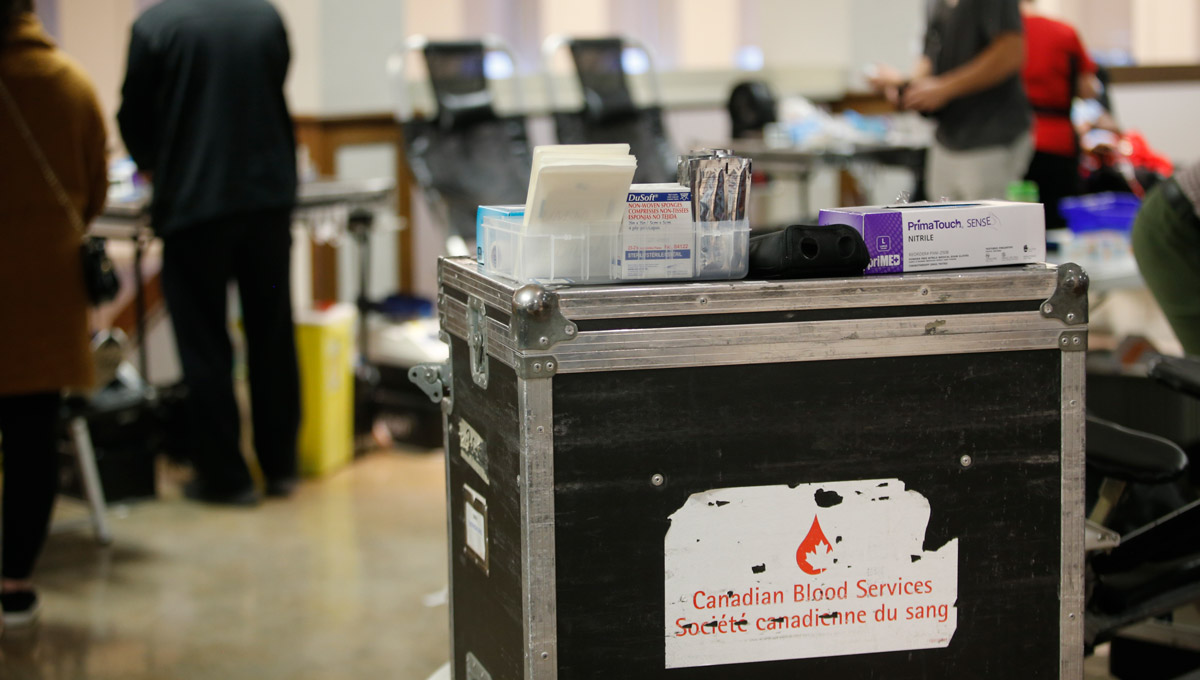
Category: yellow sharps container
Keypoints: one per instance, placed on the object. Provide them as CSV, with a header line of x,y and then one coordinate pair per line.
x,y
325,348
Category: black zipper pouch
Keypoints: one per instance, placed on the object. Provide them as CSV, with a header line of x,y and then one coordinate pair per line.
x,y
805,252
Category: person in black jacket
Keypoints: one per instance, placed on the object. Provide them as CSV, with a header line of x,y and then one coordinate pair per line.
x,y
204,115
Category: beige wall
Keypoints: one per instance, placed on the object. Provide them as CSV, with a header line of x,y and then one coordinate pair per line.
x,y
436,19
576,17
1166,31
96,34
709,33
303,20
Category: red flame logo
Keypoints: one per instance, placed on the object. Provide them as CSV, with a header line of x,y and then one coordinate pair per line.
x,y
811,546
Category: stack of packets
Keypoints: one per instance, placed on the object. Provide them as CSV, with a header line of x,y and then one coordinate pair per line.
x,y
584,222
720,186
920,237
578,190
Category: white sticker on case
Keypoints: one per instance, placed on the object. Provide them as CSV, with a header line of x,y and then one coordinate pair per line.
x,y
475,521
771,573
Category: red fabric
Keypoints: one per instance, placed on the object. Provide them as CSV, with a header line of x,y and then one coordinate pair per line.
x,y
1049,46
1142,156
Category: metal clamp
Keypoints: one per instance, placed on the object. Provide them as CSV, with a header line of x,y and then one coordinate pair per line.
x,y
537,322
477,340
1069,303
435,381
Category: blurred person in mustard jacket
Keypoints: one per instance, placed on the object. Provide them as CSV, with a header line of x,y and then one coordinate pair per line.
x,y
43,304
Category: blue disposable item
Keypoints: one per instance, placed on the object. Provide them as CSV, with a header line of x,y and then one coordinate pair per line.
x,y
491,211
398,306
1100,212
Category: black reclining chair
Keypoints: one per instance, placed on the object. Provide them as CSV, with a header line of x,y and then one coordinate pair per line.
x,y
609,114
1155,568
465,154
751,106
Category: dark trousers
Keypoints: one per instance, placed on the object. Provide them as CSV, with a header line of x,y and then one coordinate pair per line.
x,y
29,427
1057,178
198,264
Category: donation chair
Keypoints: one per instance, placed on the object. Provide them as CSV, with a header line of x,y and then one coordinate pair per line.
x,y
751,107
464,154
1137,578
609,114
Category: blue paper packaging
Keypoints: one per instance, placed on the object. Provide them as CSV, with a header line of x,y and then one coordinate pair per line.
x,y
492,211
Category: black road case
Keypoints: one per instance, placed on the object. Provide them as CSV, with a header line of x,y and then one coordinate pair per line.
x,y
840,478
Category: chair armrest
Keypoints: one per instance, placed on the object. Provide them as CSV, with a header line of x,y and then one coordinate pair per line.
x,y
1132,456
1181,374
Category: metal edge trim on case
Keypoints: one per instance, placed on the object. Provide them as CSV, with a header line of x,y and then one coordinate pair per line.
x,y
449,537
536,366
453,274
909,289
1073,341
539,593
806,341
475,668
778,342
1071,588
447,410
797,352
1032,282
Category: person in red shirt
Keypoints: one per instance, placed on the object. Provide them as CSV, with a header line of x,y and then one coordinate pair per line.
x,y
1057,69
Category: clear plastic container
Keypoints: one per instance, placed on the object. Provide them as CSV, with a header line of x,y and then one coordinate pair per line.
x,y
709,251
722,250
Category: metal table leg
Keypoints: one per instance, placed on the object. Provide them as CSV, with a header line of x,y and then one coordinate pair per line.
x,y
86,456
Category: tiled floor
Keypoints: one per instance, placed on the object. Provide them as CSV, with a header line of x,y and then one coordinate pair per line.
x,y
341,581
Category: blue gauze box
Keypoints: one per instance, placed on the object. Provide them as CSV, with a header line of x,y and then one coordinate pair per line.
x,y
492,211
930,236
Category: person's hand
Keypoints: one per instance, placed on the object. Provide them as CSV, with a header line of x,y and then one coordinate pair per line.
x,y
1106,121
926,95
886,80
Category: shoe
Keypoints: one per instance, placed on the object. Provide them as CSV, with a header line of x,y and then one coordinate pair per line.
x,y
21,608
245,498
281,488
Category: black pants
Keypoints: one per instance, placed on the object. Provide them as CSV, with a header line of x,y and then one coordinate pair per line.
x,y
198,264
29,427
1057,178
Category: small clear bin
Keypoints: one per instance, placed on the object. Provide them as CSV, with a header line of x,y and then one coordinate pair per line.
x,y
709,251
722,250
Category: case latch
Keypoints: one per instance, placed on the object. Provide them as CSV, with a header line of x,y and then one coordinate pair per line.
x,y
477,340
435,381
1069,303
